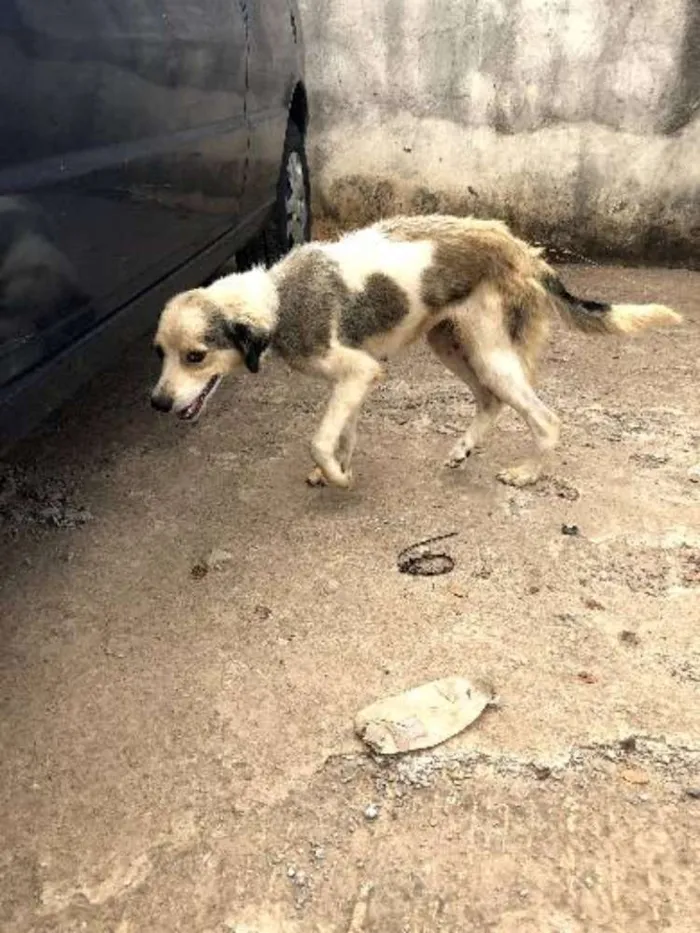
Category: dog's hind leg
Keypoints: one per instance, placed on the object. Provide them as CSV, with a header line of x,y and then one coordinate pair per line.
x,y
505,375
353,374
500,368
447,343
499,365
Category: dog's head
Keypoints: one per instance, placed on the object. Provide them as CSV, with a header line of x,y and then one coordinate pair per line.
x,y
201,338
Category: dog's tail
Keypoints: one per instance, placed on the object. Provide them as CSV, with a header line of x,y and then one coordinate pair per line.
x,y
597,317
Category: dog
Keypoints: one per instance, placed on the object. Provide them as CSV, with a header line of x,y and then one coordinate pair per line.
x,y
482,297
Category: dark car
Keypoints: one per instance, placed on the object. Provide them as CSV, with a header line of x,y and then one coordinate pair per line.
x,y
143,143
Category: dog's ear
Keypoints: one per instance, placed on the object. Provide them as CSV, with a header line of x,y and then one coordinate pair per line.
x,y
250,343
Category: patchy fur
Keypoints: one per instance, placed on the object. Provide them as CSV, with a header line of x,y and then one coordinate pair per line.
x,y
482,297
381,305
312,295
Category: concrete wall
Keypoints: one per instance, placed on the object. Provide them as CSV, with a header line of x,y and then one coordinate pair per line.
x,y
576,120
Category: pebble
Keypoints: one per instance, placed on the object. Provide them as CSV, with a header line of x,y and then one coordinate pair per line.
x,y
586,677
694,473
693,793
634,776
371,811
628,637
217,558
571,531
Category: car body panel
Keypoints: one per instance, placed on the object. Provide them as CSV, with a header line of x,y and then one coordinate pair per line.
x,y
131,164
267,108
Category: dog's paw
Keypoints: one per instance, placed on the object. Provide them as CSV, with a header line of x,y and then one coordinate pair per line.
x,y
525,474
343,480
330,475
316,478
457,456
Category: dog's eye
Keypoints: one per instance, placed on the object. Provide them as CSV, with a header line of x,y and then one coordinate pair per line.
x,y
159,352
195,356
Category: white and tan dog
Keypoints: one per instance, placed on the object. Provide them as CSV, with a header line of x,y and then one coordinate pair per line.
x,y
481,296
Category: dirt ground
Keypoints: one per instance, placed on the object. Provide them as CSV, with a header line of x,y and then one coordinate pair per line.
x,y
177,747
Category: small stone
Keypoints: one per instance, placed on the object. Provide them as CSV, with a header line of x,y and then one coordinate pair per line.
x,y
291,872
634,776
693,793
542,772
593,604
587,678
199,571
694,473
628,637
217,559
628,744
571,531
319,853
371,811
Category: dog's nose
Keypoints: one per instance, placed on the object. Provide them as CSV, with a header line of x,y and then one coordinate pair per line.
x,y
161,402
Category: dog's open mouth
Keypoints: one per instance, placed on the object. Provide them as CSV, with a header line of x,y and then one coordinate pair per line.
x,y
194,409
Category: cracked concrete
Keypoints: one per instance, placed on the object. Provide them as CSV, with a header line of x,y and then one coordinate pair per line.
x,y
178,751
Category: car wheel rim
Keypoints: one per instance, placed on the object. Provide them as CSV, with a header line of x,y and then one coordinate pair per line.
x,y
295,201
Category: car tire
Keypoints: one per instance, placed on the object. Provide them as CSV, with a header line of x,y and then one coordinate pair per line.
x,y
289,224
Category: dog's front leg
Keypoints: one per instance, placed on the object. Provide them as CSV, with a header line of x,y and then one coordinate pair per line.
x,y
353,373
348,440
345,450
344,404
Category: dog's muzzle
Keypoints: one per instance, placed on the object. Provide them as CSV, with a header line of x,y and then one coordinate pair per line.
x,y
192,411
162,403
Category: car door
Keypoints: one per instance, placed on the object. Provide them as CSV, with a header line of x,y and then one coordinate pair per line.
x,y
123,146
272,73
